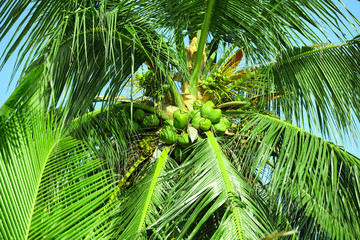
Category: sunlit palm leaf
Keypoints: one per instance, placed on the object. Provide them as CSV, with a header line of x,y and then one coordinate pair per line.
x,y
315,182
211,189
323,83
51,184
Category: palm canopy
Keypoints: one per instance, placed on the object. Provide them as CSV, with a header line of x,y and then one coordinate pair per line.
x,y
71,172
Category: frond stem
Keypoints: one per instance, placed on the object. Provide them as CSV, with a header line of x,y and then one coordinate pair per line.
x,y
215,146
201,47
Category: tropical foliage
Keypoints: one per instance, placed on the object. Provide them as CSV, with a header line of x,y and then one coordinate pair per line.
x,y
210,140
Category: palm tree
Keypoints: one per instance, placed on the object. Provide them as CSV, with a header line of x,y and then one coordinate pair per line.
x,y
208,142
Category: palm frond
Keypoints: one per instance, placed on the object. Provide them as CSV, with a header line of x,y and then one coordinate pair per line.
x,y
210,195
323,86
52,185
263,27
312,181
84,48
143,205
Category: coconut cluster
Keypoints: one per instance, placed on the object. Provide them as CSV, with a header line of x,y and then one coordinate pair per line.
x,y
203,117
146,121
151,87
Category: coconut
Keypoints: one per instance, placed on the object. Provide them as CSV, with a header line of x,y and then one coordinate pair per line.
x,y
205,124
195,122
135,126
220,128
215,115
168,135
149,74
239,98
199,139
179,154
168,122
151,121
195,114
139,115
198,104
165,87
183,140
180,121
210,104
225,121
139,75
176,112
188,114
206,110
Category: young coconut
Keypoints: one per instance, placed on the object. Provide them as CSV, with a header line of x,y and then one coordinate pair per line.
x,y
210,104
180,120
247,106
151,121
225,121
139,115
215,115
206,110
183,140
198,104
220,128
205,124
176,112
168,135
136,126
195,122
195,114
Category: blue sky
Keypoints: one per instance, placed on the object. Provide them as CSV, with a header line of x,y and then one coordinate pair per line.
x,y
6,88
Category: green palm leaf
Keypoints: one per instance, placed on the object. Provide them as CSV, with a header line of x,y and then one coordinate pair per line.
x,y
314,182
323,84
212,195
144,204
51,185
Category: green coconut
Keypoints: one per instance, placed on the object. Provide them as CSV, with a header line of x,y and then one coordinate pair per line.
x,y
220,128
151,121
177,154
225,121
206,110
210,104
195,114
180,121
176,112
169,122
124,114
168,135
188,114
198,104
205,124
165,87
215,115
136,126
183,140
149,74
239,98
195,122
139,115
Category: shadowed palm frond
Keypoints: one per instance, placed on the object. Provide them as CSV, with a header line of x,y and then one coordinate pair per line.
x,y
145,203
